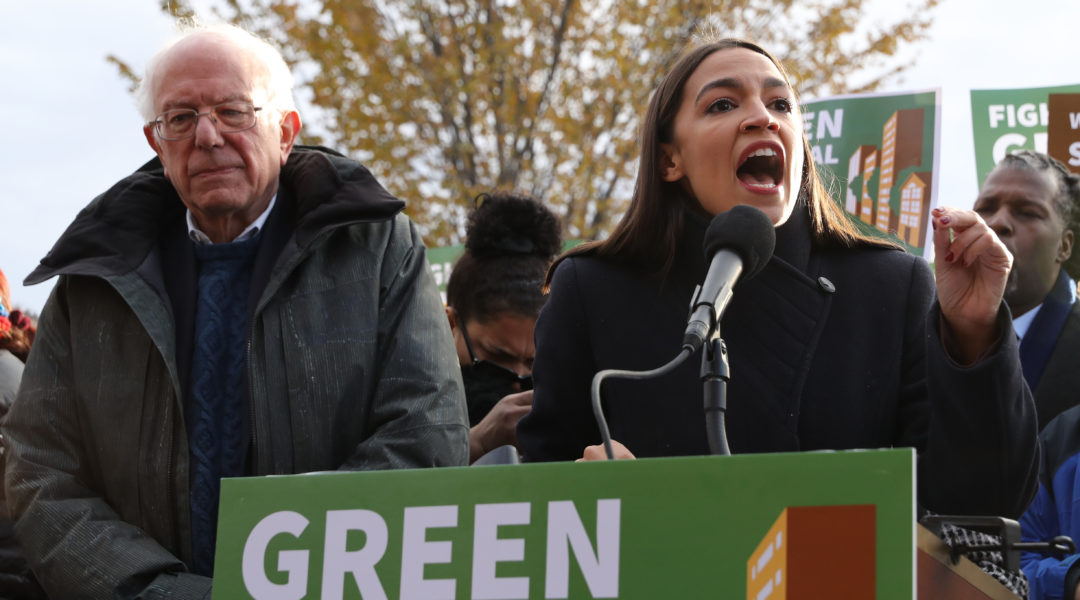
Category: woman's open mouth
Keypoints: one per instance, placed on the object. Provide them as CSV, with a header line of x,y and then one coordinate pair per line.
x,y
761,168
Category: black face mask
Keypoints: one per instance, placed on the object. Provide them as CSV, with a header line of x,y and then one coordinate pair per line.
x,y
486,383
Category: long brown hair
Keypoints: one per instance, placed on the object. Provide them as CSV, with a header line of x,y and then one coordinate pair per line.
x,y
648,233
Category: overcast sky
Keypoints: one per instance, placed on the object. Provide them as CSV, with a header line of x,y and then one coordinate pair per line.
x,y
71,130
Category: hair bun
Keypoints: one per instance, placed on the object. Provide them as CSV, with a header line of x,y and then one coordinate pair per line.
x,y
509,224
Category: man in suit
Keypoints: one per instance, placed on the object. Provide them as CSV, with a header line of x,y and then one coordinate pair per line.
x,y
1032,202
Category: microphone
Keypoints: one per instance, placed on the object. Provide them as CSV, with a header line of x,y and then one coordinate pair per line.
x,y
741,239
738,242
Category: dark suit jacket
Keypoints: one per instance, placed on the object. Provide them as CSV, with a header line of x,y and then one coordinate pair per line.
x,y
829,348
1058,388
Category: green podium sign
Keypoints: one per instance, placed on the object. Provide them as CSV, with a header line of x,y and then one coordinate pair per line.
x,y
749,526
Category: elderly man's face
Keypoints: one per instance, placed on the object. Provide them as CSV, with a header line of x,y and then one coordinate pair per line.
x,y
1018,204
225,179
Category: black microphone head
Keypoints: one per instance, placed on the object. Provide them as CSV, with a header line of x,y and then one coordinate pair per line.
x,y
746,231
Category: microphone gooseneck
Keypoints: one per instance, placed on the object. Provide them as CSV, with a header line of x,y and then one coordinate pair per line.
x,y
600,376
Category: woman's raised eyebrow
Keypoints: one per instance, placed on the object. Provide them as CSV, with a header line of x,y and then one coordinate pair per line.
x,y
734,83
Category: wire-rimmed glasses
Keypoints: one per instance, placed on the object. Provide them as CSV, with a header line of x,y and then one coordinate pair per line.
x,y
230,117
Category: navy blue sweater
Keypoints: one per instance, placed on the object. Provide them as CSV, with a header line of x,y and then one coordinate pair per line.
x,y
216,412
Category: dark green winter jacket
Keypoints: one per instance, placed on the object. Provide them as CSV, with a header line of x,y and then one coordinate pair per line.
x,y
350,365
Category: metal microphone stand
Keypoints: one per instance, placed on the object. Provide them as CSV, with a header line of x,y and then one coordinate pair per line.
x,y
714,378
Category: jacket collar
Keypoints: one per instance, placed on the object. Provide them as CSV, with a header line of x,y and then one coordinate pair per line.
x,y
772,328
793,244
794,240
114,233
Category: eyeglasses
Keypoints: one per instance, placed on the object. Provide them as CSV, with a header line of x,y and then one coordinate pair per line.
x,y
230,117
511,376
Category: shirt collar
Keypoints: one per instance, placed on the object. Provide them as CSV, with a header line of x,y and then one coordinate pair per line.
x,y
1023,322
249,232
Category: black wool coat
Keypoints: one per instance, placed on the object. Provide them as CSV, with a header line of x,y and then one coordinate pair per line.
x,y
828,349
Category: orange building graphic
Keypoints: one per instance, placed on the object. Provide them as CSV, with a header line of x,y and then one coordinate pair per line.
x,y
873,172
866,210
901,147
914,207
813,552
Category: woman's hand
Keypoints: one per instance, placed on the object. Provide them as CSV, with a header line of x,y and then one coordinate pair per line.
x,y
499,427
597,452
972,267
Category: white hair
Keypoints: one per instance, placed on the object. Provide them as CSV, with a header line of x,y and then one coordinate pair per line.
x,y
279,82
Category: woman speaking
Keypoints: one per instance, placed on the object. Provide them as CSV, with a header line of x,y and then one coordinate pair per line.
x,y
841,341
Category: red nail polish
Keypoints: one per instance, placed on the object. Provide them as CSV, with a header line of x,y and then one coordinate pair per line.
x,y
949,257
945,220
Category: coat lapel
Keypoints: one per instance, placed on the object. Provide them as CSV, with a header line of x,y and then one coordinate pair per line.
x,y
1038,344
772,329
1057,391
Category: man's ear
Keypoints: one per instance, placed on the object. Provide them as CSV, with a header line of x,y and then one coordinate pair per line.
x,y
1066,246
290,128
148,131
670,163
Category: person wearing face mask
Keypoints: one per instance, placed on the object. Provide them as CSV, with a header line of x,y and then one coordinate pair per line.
x,y
841,341
493,296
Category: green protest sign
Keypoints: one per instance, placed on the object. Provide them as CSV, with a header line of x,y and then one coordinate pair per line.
x,y
1004,121
652,528
878,154
441,262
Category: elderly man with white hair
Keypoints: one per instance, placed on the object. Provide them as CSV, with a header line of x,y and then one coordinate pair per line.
x,y
238,306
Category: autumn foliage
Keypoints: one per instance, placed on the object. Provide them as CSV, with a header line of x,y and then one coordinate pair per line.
x,y
444,100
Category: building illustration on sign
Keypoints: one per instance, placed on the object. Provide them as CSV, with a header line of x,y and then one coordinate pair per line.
x,y
872,194
816,552
860,204
914,206
866,207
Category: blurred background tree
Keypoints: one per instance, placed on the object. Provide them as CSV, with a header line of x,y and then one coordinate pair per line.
x,y
446,99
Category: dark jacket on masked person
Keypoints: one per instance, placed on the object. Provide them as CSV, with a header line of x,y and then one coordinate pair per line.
x,y
829,348
349,365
